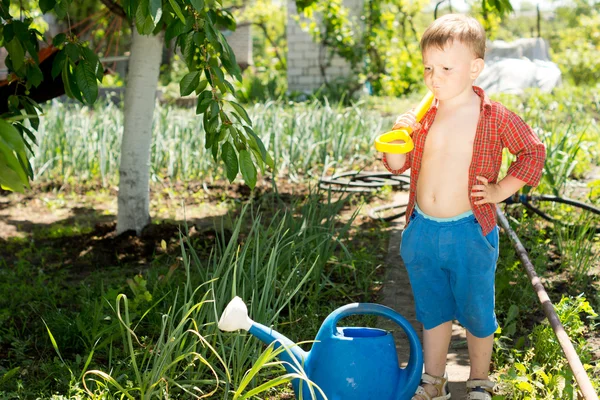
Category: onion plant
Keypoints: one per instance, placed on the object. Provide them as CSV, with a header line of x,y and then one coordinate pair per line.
x,y
83,142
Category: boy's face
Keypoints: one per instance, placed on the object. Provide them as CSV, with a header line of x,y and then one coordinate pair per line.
x,y
451,71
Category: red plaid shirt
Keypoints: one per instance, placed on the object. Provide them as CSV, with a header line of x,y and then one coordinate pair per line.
x,y
497,128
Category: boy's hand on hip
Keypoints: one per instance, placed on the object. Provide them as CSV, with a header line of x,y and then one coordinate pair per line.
x,y
486,192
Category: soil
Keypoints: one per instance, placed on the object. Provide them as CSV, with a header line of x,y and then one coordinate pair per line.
x,y
79,222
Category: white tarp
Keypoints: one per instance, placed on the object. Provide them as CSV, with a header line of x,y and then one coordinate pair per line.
x,y
515,66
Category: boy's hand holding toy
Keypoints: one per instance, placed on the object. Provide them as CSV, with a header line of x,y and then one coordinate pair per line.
x,y
399,140
407,120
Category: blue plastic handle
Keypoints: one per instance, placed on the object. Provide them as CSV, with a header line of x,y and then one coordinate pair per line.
x,y
415,361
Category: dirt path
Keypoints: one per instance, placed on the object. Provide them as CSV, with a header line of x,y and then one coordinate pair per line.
x,y
397,294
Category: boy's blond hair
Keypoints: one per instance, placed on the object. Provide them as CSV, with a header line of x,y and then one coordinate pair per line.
x,y
451,27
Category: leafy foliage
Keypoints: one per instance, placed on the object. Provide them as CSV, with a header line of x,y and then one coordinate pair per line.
x,y
576,48
380,43
196,27
536,367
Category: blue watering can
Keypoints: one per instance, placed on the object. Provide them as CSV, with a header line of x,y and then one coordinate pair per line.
x,y
346,363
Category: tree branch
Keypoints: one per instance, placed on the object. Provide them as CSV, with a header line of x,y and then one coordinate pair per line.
x,y
115,8
262,26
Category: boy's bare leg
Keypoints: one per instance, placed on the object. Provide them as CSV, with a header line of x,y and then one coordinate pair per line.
x,y
480,355
435,352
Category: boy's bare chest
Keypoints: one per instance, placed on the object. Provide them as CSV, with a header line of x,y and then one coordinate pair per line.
x,y
452,135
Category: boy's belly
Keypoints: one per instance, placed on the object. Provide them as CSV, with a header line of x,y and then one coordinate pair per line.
x,y
442,190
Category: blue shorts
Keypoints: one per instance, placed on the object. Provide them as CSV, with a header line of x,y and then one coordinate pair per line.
x,y
451,267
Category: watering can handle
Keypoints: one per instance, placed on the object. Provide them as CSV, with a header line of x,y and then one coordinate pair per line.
x,y
415,361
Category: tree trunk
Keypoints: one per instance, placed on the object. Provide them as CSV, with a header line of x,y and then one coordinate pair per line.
x,y
134,171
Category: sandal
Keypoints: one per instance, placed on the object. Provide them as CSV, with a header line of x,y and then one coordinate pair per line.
x,y
480,389
441,386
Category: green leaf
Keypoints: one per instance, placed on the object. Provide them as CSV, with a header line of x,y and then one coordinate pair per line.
x,y
21,31
60,8
189,83
208,77
71,88
65,79
225,19
212,125
513,312
201,86
13,103
94,62
188,49
16,52
58,63
214,109
198,4
260,147
240,110
248,168
521,368
73,52
8,33
86,81
215,151
33,116
54,344
58,39
35,76
204,100
525,386
11,137
89,55
29,134
32,47
9,178
229,86
203,106
9,374
199,38
47,5
210,33
156,10
174,29
210,137
231,162
13,157
177,10
143,21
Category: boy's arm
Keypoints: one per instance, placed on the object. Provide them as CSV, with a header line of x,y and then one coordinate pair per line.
x,y
521,140
397,161
527,169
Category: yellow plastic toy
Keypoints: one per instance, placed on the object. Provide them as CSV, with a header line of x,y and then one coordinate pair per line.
x,y
382,143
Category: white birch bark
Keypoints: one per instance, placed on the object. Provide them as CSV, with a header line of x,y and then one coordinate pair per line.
x,y
134,171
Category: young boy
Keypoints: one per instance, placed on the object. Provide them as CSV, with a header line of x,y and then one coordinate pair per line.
x,y
450,243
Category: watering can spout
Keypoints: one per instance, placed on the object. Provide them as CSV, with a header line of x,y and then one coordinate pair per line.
x,y
235,317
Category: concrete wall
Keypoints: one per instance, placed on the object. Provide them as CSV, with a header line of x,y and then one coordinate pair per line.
x,y
303,70
241,43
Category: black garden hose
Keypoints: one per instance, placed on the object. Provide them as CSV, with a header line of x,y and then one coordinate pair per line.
x,y
527,200
373,212
370,182
360,181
